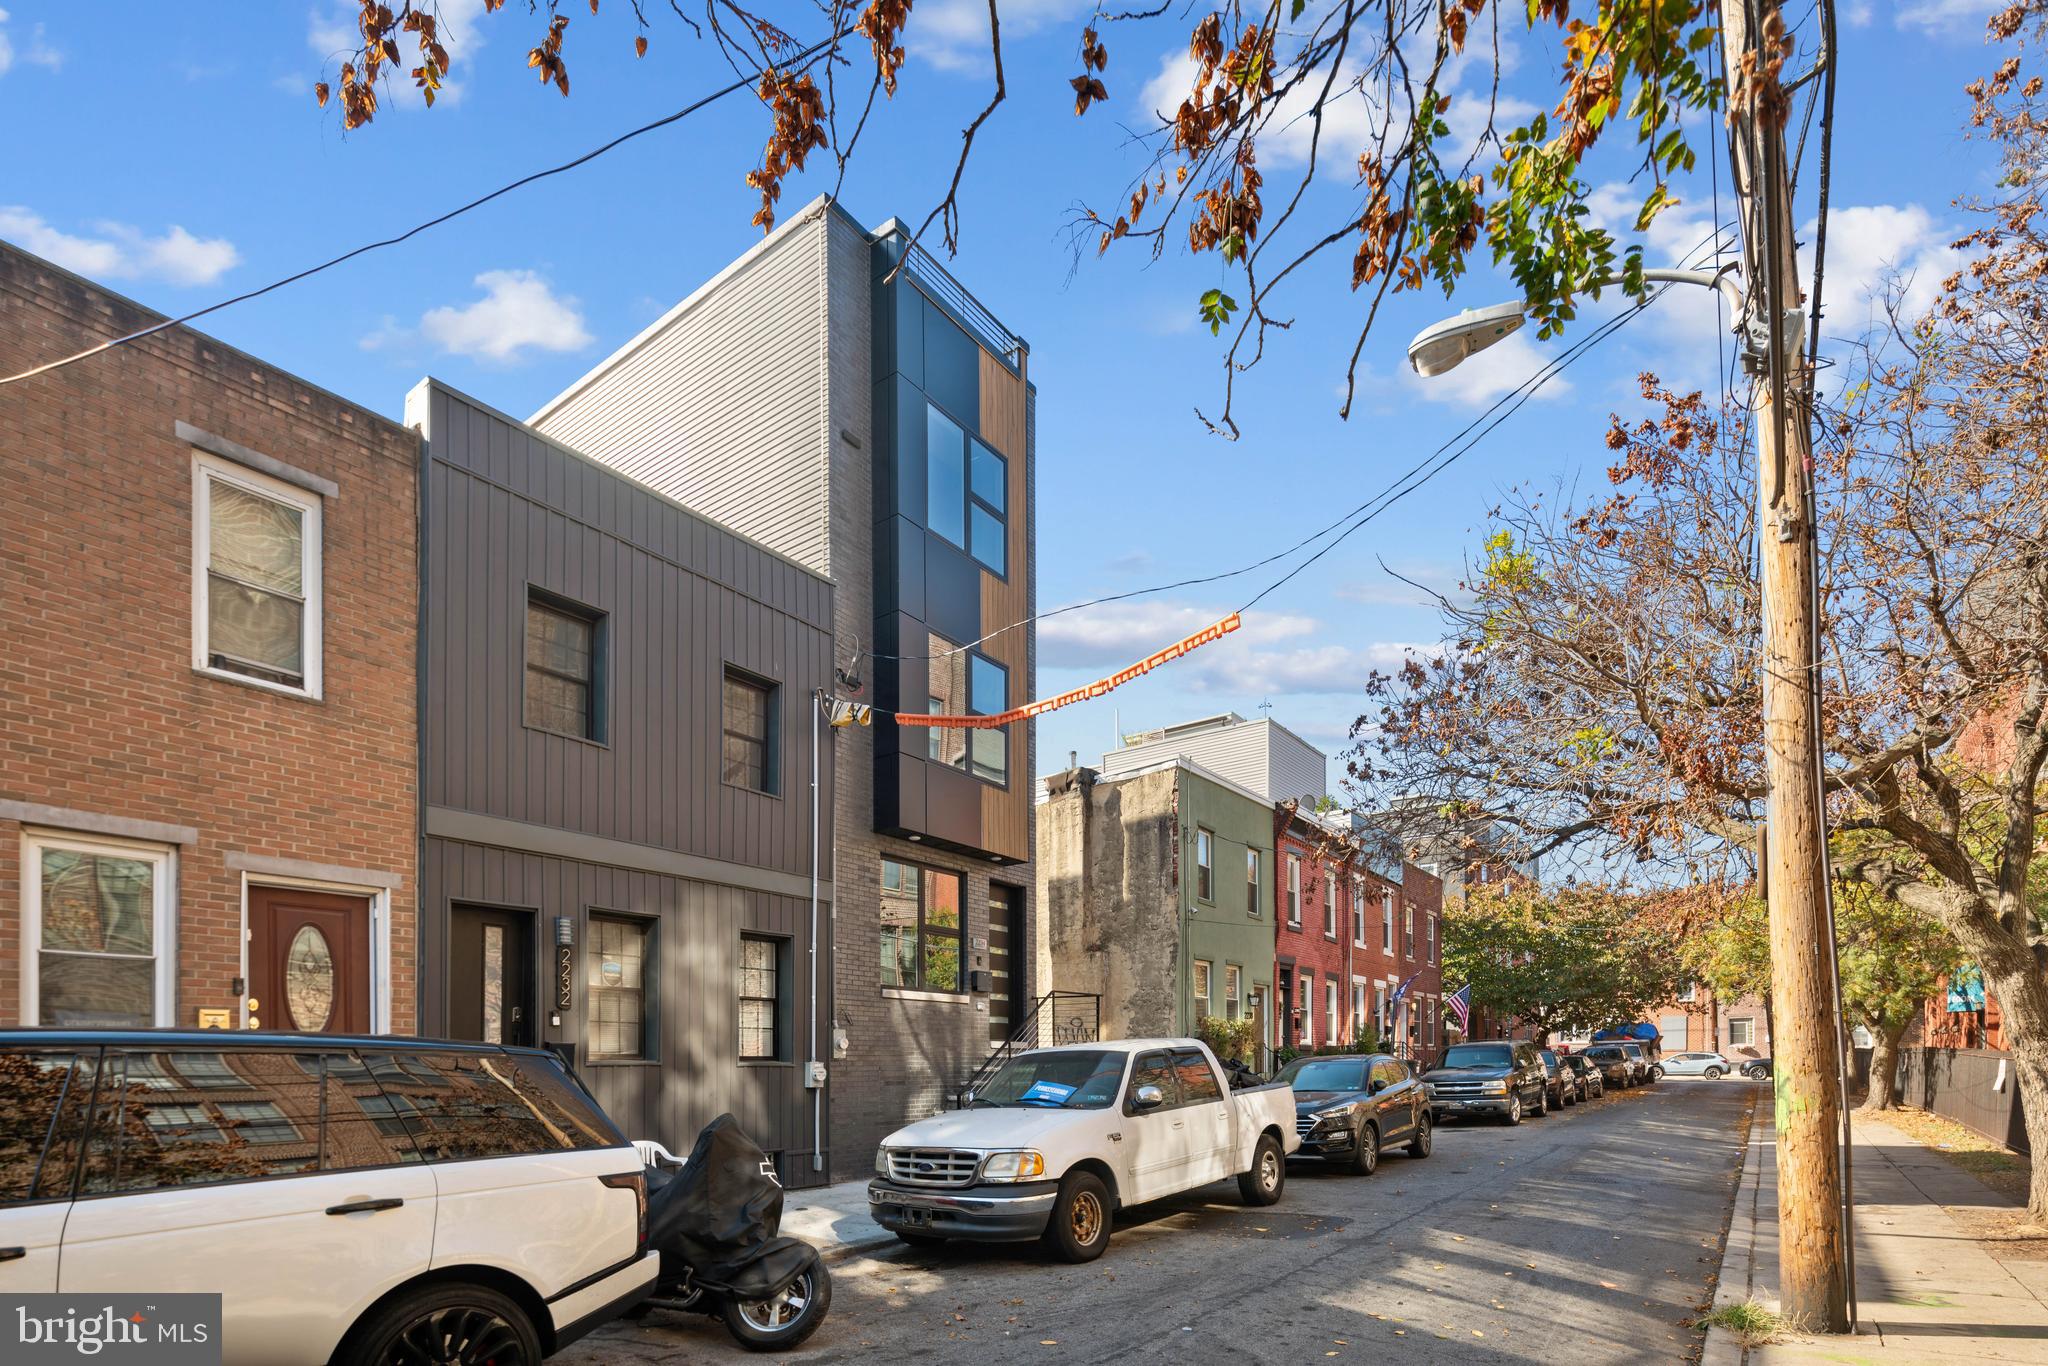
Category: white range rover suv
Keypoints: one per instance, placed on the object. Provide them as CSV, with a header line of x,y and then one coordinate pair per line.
x,y
352,1200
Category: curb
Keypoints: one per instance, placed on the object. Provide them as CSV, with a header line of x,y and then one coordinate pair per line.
x,y
840,1252
1735,1282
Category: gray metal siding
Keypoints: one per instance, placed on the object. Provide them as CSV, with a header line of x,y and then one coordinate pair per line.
x,y
696,1028
722,404
1257,755
681,598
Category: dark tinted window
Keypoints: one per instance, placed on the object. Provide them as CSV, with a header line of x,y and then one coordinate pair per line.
x,y
1479,1055
37,1151
496,1105
1154,1069
1325,1074
1197,1079
1389,1072
162,1120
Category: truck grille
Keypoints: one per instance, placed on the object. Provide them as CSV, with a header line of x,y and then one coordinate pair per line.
x,y
1458,1088
933,1166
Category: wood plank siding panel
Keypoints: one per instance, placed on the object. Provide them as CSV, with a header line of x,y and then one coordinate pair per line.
x,y
720,404
1006,811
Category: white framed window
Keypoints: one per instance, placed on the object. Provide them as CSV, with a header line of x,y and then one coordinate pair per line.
x,y
1688,993
1201,987
1329,905
1357,913
1357,1008
98,927
1233,980
256,596
1741,1032
1430,917
1330,1008
1205,864
1408,931
1379,1011
1308,1010
1294,890
1387,921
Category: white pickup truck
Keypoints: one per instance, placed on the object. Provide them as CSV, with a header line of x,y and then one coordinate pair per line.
x,y
1061,1138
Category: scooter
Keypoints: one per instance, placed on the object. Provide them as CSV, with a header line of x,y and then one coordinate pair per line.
x,y
715,1218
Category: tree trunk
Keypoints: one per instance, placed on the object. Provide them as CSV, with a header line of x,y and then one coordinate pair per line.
x,y
1884,1066
2022,991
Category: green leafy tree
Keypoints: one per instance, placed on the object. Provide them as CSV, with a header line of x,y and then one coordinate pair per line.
x,y
1574,960
1730,952
1892,959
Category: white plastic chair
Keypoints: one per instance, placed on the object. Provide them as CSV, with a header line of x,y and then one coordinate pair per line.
x,y
652,1154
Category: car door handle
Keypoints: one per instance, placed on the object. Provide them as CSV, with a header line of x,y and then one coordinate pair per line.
x,y
1180,1124
365,1206
12,1254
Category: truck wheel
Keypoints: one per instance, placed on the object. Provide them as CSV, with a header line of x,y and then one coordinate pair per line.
x,y
1263,1183
1514,1114
1365,1150
1079,1230
1542,1102
1419,1145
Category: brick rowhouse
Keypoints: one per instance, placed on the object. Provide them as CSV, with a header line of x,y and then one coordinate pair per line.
x,y
208,603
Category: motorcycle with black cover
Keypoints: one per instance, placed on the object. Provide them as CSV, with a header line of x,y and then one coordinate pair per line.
x,y
716,1222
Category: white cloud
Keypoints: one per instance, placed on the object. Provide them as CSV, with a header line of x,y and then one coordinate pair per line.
x,y
1944,18
1274,654
1871,249
518,312
36,51
1860,13
121,252
953,34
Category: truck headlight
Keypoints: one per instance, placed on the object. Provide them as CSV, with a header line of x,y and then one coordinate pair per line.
x,y
881,1162
1495,1088
1017,1166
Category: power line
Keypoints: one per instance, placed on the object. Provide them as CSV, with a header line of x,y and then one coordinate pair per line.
x,y
800,59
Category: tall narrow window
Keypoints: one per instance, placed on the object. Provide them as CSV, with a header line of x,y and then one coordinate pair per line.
x,y
1431,916
945,477
1330,1009
1294,890
1387,921
761,1000
1329,905
563,647
1357,913
749,758
1357,1009
1251,883
946,671
987,534
98,921
988,694
1233,980
257,567
1201,988
1205,864
616,989
1308,1011
920,909
1408,930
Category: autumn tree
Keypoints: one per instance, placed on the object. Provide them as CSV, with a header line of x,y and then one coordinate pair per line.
x,y
1893,957
1315,144
1573,960
1729,951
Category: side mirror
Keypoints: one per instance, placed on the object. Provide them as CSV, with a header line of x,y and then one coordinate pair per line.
x,y
1375,1086
967,1098
1147,1098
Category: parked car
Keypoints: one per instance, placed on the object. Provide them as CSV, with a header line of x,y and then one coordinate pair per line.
x,y
350,1199
1592,1081
1502,1080
1350,1108
1710,1065
1562,1090
1756,1069
1061,1138
1619,1068
1647,1069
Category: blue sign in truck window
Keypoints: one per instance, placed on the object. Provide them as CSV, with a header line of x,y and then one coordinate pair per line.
x,y
1047,1093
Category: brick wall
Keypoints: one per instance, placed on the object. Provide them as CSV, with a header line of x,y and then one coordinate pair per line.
x,y
101,710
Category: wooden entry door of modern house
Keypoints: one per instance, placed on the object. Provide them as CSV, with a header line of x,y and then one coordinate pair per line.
x,y
1006,958
490,975
309,961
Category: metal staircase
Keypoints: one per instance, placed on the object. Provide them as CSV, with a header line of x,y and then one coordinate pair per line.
x,y
1055,1018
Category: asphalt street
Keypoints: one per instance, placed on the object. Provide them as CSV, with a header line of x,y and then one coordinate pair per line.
x,y
1591,1235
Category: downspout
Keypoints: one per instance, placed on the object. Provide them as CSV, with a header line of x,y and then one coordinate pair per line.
x,y
817,1091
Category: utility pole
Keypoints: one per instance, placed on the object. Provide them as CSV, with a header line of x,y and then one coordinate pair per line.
x,y
1805,1015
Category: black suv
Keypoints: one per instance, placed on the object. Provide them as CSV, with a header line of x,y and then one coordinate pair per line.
x,y
1501,1079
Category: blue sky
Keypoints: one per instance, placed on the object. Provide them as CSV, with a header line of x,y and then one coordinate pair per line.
x,y
179,158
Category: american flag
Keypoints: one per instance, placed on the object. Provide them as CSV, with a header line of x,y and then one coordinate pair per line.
x,y
1460,1003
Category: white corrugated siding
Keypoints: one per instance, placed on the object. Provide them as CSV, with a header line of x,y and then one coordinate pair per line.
x,y
1258,755
720,405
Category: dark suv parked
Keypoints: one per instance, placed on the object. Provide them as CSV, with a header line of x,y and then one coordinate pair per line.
x,y
1502,1080
1348,1108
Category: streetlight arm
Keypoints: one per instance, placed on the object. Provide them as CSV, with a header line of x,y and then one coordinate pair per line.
x,y
1723,280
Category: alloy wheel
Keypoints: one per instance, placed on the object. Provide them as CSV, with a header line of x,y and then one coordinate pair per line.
x,y
1269,1170
459,1335
779,1313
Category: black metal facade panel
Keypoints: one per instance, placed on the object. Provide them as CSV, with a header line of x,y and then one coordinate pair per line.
x,y
695,1074
680,599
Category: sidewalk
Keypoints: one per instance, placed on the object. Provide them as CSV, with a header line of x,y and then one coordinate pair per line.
x,y
1929,1292
834,1220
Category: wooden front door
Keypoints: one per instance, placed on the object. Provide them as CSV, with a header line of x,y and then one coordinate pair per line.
x,y
490,975
309,961
1006,958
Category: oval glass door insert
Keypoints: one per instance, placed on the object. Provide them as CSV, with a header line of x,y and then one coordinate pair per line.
x,y
309,980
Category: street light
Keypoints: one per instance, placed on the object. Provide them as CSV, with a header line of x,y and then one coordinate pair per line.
x,y
1440,347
